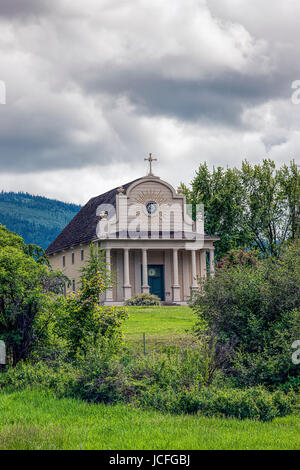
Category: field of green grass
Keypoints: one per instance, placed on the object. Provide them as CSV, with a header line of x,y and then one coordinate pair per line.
x,y
38,420
161,325
35,420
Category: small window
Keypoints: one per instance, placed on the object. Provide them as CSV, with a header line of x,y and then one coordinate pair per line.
x,y
82,255
64,261
73,258
65,290
73,285
151,207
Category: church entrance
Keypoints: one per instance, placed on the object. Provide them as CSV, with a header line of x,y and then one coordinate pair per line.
x,y
156,280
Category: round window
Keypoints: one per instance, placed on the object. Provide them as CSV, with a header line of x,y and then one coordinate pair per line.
x,y
151,272
151,207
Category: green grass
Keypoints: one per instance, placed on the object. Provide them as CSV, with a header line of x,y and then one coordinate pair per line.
x,y
162,325
38,420
35,420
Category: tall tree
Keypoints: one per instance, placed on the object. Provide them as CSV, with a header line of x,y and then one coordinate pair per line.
x,y
255,206
26,288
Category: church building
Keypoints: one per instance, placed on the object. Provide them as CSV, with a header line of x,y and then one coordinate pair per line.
x,y
151,243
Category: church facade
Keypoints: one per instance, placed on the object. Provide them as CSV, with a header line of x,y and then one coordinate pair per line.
x,y
151,243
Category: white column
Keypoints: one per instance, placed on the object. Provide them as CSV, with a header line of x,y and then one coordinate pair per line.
x,y
212,261
203,263
176,286
168,276
175,266
145,286
127,286
109,291
194,270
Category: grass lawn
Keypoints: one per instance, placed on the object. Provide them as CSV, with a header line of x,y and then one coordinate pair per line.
x,y
162,325
36,420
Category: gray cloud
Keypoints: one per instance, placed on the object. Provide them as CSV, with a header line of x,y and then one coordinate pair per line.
x,y
13,9
218,100
102,84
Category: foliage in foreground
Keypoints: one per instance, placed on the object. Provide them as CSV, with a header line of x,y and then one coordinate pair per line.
x,y
81,321
249,317
27,287
34,321
252,403
159,382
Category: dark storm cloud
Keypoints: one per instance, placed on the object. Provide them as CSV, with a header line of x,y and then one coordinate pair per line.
x,y
214,101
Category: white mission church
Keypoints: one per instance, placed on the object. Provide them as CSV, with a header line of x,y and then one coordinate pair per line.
x,y
151,243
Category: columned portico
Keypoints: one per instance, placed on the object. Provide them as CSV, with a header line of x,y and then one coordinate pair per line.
x,y
174,272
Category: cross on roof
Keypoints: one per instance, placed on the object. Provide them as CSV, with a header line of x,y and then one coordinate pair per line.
x,y
150,159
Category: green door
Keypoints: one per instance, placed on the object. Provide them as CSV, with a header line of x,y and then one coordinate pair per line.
x,y
156,280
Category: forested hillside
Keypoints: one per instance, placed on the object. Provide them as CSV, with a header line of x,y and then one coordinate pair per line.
x,y
37,219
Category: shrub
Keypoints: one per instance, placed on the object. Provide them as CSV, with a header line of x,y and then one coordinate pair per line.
x,y
26,291
253,403
144,299
249,315
80,320
293,383
101,377
109,378
175,368
169,383
39,375
239,257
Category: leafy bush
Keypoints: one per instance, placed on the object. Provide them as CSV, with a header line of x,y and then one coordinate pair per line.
x,y
143,299
293,383
252,403
39,375
167,382
109,378
249,317
239,257
80,320
27,288
175,368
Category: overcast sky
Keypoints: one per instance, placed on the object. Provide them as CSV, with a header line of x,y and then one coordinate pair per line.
x,y
93,86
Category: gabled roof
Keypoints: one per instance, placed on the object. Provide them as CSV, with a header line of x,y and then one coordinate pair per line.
x,y
82,228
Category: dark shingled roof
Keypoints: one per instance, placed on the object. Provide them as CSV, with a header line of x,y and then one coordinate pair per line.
x,y
82,228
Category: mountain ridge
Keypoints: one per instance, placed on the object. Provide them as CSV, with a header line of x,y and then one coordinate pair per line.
x,y
37,219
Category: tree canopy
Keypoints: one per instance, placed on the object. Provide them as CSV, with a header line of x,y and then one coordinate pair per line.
x,y
256,206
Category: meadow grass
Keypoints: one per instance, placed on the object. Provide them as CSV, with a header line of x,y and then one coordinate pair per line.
x,y
37,420
33,419
162,326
